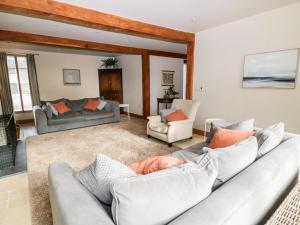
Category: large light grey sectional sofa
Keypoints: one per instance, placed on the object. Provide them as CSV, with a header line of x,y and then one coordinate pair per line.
x,y
78,117
247,198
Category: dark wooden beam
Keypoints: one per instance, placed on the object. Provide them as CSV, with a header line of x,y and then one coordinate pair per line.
x,y
79,44
190,70
66,13
146,84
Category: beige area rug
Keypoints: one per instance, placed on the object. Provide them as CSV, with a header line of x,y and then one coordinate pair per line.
x,y
124,141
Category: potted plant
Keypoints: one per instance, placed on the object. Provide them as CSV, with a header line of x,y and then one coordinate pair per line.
x,y
110,63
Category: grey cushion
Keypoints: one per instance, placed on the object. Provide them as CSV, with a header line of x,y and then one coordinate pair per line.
x,y
47,110
68,117
164,113
269,138
159,197
52,101
76,105
98,176
235,158
91,115
101,105
246,125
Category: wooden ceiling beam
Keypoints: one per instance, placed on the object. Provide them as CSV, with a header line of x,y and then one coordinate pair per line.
x,y
79,44
66,13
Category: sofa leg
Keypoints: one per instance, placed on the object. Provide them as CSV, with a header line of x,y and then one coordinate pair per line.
x,y
149,136
191,137
170,144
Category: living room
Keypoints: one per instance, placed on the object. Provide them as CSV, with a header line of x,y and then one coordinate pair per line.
x,y
203,125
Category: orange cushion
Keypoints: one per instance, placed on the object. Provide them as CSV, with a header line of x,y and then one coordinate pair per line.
x,y
92,104
223,137
155,163
175,116
61,107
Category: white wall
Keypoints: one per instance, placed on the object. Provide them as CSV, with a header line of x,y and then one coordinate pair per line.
x,y
132,82
157,64
50,75
219,61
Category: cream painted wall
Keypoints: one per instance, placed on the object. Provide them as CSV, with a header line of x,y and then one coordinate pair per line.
x,y
132,82
219,59
50,75
157,64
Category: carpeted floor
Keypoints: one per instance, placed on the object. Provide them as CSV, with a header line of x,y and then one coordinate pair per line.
x,y
124,141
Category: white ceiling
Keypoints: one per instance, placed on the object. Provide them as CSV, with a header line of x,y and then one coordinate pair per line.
x,y
188,15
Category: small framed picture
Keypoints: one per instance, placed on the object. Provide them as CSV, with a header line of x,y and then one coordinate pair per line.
x,y
167,78
71,77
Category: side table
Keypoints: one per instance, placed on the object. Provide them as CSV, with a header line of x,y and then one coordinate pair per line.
x,y
126,106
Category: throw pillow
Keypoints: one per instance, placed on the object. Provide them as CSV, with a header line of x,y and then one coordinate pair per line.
x,y
52,108
158,198
164,113
155,163
61,108
92,104
224,137
98,176
233,159
246,125
269,138
47,111
176,116
101,105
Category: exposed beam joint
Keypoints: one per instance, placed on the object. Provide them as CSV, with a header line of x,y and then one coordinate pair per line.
x,y
66,13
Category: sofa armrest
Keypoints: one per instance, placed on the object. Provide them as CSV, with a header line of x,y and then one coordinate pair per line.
x,y
72,203
113,107
180,122
154,119
40,119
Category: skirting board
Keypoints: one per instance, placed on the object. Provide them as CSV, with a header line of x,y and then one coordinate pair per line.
x,y
134,115
197,131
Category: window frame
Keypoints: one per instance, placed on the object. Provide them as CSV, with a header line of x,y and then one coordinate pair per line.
x,y
19,83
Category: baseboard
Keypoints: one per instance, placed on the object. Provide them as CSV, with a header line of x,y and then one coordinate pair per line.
x,y
27,121
197,131
134,115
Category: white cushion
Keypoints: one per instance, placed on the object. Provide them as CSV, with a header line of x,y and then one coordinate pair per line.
x,y
158,198
235,158
159,127
269,138
98,176
101,104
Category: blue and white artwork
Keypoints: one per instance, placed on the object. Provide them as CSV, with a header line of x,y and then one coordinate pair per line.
x,y
271,70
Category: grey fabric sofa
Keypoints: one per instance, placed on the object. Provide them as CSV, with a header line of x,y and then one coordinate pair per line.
x,y
78,117
248,198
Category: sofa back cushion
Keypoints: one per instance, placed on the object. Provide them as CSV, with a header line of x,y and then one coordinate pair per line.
x,y
158,198
233,159
76,105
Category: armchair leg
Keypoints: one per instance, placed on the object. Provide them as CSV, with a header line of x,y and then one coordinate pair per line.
x,y
191,137
170,144
149,136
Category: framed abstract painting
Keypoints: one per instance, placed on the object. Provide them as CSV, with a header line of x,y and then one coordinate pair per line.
x,y
271,69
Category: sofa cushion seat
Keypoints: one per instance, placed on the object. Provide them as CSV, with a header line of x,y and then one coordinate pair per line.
x,y
69,117
94,115
159,127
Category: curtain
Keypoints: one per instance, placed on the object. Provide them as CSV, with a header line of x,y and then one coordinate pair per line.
x,y
34,86
5,94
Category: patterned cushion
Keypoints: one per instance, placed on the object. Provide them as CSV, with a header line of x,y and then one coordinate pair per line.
x,y
47,110
101,105
98,176
53,109
159,127
269,138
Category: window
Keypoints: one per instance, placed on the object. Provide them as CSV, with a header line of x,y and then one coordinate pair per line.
x,y
19,83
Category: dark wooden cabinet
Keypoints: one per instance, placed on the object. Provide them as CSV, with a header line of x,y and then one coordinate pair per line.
x,y
110,84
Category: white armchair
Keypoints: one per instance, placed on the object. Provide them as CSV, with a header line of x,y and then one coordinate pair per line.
x,y
177,130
